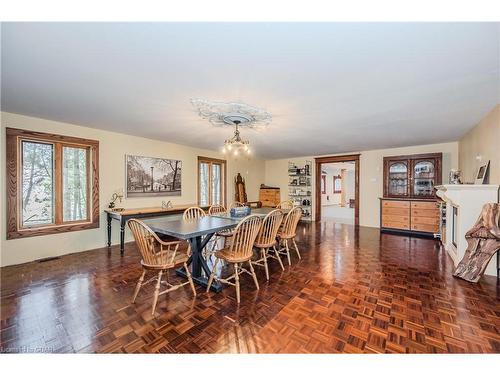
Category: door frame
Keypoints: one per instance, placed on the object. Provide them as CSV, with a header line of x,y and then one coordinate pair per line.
x,y
317,193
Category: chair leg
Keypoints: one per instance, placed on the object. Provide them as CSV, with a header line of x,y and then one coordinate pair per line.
x,y
157,292
212,274
279,257
264,258
288,252
237,282
254,275
296,248
138,286
190,279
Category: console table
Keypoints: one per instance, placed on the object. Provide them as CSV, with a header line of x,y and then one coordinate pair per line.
x,y
122,215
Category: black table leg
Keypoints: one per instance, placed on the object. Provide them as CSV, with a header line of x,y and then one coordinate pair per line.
x,y
109,230
198,264
122,236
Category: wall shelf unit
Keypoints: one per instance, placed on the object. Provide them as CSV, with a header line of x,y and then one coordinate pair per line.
x,y
300,187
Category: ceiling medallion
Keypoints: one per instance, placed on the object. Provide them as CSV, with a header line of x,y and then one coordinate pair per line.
x,y
232,114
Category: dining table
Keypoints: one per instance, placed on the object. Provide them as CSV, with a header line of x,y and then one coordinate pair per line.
x,y
198,232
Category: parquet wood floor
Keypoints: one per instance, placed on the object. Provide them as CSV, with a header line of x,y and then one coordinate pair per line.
x,y
354,291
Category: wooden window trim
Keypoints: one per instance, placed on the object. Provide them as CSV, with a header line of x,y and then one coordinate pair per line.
x,y
323,181
204,159
13,139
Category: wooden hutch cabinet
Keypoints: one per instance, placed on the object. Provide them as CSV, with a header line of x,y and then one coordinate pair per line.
x,y
409,204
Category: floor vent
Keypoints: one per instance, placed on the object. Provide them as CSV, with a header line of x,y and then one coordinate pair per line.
x,y
48,259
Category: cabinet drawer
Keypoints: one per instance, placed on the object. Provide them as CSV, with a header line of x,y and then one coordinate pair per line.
x,y
396,218
425,205
417,212
395,225
425,220
396,204
395,211
425,227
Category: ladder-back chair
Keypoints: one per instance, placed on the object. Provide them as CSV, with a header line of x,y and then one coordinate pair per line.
x,y
238,252
158,256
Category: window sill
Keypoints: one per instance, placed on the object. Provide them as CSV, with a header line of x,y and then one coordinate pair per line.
x,y
54,229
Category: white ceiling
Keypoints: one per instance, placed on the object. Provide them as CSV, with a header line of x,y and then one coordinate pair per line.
x,y
331,87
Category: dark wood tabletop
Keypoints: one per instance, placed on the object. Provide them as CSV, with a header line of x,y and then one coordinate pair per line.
x,y
186,229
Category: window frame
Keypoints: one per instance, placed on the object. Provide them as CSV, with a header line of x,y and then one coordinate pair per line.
x,y
211,161
15,229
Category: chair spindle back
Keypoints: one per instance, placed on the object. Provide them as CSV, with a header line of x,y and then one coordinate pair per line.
x,y
244,236
269,228
193,213
216,209
291,221
154,252
285,205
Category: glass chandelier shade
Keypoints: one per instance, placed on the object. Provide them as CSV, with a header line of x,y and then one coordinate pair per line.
x,y
236,145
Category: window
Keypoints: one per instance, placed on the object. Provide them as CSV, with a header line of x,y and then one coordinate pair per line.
x,y
211,181
53,183
337,184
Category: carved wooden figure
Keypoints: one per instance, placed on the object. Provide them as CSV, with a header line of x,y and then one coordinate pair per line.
x,y
483,242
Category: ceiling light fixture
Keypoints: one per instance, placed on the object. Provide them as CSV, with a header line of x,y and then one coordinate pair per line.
x,y
232,114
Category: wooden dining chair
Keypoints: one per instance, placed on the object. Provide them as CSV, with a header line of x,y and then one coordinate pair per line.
x,y
158,256
285,205
216,209
240,251
193,213
287,233
266,239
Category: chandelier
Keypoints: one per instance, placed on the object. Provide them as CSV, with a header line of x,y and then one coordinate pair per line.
x,y
232,114
236,144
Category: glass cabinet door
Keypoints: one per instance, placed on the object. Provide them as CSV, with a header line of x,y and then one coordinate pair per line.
x,y
397,179
424,178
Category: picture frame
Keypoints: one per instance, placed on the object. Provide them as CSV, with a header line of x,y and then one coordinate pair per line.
x,y
152,177
482,174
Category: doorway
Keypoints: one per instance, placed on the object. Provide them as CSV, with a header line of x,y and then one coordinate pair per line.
x,y
337,188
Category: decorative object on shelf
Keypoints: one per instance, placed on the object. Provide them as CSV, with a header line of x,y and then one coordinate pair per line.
x,y
337,184
240,194
149,176
483,174
454,177
114,197
232,114
299,186
166,205
483,241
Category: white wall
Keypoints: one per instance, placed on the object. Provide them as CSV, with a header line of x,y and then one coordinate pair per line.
x,y
112,150
483,141
371,174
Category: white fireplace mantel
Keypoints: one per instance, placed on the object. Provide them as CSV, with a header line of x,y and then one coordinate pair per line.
x,y
468,200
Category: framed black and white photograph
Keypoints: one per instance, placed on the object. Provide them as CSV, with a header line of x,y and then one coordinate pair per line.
x,y
482,173
152,177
